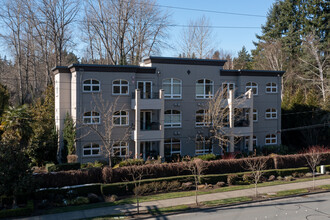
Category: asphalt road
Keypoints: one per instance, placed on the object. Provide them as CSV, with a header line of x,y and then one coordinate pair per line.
x,y
312,207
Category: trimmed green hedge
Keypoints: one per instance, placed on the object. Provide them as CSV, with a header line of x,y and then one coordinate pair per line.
x,y
64,167
25,211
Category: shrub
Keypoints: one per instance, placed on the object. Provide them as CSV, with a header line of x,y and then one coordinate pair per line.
x,y
25,211
72,158
247,177
64,167
79,201
232,179
207,157
131,162
6,201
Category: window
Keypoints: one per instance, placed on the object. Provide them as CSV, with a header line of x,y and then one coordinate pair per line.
x,y
200,118
172,146
204,89
203,146
255,114
120,118
226,87
253,86
172,118
120,87
91,150
91,118
91,85
120,149
271,113
271,88
172,88
255,143
270,139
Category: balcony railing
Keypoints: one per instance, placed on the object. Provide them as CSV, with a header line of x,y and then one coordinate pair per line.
x,y
241,123
147,95
153,126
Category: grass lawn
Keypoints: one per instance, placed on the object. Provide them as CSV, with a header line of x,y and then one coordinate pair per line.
x,y
227,201
171,195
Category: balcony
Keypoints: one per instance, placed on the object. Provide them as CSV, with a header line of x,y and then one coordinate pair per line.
x,y
238,131
147,101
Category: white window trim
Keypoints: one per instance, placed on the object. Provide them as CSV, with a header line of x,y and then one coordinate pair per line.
x,y
247,87
120,116
204,150
172,124
271,87
270,138
247,141
122,145
90,84
91,118
203,123
90,147
254,113
172,83
204,95
171,144
120,87
228,87
269,115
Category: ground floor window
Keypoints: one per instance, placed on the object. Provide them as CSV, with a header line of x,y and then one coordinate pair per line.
x,y
203,146
255,143
270,139
172,146
91,150
120,149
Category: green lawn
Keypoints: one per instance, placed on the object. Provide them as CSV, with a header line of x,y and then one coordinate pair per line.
x,y
290,192
171,195
227,201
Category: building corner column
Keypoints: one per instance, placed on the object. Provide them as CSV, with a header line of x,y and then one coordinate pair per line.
x,y
137,124
161,124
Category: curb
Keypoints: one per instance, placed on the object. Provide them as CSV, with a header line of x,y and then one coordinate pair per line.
x,y
229,205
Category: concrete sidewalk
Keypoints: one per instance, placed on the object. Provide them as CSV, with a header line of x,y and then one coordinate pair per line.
x,y
174,202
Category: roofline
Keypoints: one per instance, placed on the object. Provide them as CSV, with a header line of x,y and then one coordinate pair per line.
x,y
251,73
103,68
183,61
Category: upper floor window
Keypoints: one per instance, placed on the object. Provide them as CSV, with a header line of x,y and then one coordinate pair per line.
x,y
270,139
91,150
91,118
271,113
253,86
91,85
172,118
271,88
120,118
120,87
226,87
172,88
201,119
120,149
255,114
172,146
203,146
204,89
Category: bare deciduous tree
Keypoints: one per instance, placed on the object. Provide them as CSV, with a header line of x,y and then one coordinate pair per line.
x,y
317,62
124,31
196,40
106,130
313,157
196,167
136,174
256,165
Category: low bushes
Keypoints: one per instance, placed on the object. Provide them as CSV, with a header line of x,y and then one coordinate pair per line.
x,y
64,167
25,211
290,172
207,157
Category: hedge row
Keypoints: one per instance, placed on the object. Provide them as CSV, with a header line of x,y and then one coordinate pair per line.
x,y
126,188
25,211
109,175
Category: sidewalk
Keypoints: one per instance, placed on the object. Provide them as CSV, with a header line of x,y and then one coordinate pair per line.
x,y
174,202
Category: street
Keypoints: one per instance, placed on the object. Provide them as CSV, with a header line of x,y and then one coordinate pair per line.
x,y
308,207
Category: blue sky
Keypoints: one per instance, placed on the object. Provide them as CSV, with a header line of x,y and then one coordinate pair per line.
x,y
231,40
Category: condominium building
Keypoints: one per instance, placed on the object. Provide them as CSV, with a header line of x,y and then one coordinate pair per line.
x,y
157,108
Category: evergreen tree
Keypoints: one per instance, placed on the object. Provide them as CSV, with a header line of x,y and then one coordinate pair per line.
x,y
43,145
244,60
4,99
69,135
